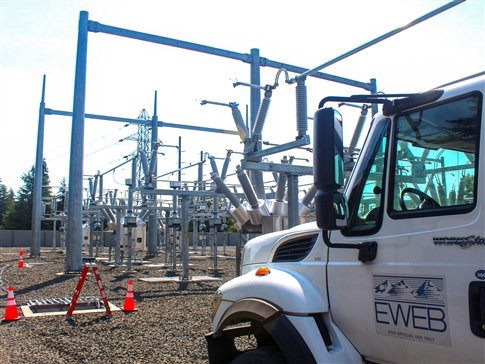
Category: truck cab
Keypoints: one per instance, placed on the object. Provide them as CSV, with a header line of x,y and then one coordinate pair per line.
x,y
394,269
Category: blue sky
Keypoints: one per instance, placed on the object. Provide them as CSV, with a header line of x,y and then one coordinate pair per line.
x,y
40,37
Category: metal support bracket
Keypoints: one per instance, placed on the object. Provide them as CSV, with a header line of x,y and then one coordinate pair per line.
x,y
274,167
305,140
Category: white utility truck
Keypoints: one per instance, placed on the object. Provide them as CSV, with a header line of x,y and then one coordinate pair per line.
x,y
395,270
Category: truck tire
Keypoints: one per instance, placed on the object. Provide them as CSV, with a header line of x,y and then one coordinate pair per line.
x,y
264,355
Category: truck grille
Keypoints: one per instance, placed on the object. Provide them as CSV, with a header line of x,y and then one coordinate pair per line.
x,y
296,249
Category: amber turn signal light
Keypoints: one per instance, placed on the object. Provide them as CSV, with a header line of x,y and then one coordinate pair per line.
x,y
262,271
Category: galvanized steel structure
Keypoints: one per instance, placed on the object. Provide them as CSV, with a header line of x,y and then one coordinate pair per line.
x,y
252,160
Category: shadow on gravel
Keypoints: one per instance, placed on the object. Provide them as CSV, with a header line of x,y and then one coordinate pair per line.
x,y
188,293
97,320
35,287
122,277
141,296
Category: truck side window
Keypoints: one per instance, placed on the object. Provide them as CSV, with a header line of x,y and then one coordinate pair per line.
x,y
435,159
367,196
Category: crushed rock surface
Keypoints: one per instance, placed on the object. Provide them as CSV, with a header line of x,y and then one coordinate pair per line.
x,y
168,326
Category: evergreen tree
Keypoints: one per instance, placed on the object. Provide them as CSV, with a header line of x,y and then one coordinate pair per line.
x,y
19,214
7,199
61,195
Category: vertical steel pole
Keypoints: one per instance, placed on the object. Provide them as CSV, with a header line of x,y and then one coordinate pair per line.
x,y
39,172
166,240
195,233
132,185
179,174
174,249
211,241
224,242
101,198
200,170
238,254
216,268
74,218
91,235
179,178
255,100
152,218
214,229
200,176
130,211
293,218
185,237
119,237
54,242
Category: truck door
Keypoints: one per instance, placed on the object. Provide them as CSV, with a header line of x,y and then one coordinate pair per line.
x,y
418,192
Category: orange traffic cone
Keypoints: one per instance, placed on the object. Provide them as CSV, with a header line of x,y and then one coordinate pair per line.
x,y
11,312
129,299
21,259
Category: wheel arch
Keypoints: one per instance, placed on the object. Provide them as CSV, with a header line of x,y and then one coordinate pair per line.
x,y
262,314
247,309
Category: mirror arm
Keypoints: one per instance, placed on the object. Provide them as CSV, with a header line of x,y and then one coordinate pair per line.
x,y
367,250
367,99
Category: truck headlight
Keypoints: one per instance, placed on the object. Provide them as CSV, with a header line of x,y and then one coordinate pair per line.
x,y
215,302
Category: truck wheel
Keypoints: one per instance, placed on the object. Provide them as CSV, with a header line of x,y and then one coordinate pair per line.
x,y
261,356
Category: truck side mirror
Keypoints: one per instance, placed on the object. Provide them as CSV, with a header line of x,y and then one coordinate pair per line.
x,y
328,170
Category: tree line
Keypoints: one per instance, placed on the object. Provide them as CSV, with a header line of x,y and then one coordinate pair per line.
x,y
16,207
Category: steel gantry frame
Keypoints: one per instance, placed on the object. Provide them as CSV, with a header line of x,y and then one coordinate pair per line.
x,y
74,229
74,232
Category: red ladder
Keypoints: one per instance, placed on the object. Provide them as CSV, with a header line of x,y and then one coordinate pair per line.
x,y
89,263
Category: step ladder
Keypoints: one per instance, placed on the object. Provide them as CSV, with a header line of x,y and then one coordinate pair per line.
x,y
89,262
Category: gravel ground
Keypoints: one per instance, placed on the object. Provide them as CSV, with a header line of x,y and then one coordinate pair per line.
x,y
168,326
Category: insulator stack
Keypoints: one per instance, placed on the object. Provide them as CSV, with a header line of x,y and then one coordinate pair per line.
x,y
301,108
281,187
257,208
358,129
225,190
240,213
226,164
213,165
261,117
309,196
239,121
247,187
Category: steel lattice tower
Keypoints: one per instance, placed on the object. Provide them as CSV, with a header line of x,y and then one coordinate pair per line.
x,y
143,143
143,140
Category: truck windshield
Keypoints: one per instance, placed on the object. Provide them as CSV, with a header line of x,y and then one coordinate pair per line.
x,y
435,158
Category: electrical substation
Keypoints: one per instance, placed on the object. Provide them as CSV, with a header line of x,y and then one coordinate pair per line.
x,y
156,225
142,225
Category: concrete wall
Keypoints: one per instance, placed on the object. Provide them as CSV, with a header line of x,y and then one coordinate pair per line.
x,y
23,238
